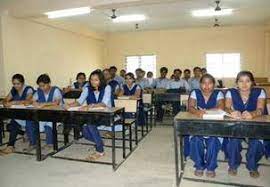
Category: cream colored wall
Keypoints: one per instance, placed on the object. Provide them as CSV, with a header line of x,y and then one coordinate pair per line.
x,y
186,48
2,77
31,48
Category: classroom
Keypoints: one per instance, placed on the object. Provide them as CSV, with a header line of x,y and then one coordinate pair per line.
x,y
135,93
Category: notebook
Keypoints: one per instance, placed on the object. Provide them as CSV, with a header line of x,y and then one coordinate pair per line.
x,y
215,114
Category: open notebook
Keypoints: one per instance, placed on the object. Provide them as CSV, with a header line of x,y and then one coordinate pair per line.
x,y
215,114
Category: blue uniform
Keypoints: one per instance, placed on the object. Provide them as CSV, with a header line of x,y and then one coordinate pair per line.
x,y
131,91
114,86
233,147
212,144
16,124
76,85
41,97
90,131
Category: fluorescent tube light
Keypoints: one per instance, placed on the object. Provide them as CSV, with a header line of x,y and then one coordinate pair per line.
x,y
211,12
68,12
129,18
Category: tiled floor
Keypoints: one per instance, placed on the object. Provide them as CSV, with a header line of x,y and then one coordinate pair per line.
x,y
152,164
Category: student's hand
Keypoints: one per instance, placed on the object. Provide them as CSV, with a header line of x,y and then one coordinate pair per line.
x,y
7,104
200,113
66,106
247,115
236,115
84,108
37,105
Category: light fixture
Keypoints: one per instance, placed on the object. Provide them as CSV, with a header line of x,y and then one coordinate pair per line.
x,y
68,12
211,12
129,18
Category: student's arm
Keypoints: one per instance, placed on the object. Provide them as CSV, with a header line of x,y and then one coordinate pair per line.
x,y
7,100
192,107
259,109
228,106
137,93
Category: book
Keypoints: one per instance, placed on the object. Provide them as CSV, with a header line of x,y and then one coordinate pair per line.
x,y
215,114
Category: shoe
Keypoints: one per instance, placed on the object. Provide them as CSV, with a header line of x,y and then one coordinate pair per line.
x,y
232,172
198,173
8,150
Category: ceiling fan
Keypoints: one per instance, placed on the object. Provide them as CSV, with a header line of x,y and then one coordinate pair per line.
x,y
216,24
113,16
217,6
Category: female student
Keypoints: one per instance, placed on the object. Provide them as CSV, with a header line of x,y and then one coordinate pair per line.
x,y
20,94
97,94
47,96
205,98
79,84
133,90
245,102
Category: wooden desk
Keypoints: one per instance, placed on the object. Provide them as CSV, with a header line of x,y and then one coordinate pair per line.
x,y
57,114
188,124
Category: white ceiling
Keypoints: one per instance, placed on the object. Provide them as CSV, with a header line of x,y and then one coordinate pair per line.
x,y
161,14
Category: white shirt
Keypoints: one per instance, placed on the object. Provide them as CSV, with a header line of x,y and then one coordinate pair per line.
x,y
176,84
57,95
105,100
219,96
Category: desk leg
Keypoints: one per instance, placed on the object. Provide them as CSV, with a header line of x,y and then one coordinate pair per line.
x,y
38,149
55,138
124,135
176,156
113,144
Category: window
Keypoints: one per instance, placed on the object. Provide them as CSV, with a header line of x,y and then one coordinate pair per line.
x,y
146,62
223,65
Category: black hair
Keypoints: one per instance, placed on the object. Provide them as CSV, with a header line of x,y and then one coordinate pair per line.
x,y
208,76
18,77
248,74
164,69
113,67
130,75
101,78
175,70
139,69
203,69
44,78
187,70
150,72
80,74
197,68
123,70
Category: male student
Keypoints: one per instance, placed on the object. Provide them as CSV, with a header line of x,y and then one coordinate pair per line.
x,y
194,82
159,83
187,75
177,82
113,71
123,73
150,78
140,80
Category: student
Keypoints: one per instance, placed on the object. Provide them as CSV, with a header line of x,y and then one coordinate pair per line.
x,y
115,87
140,80
97,94
245,102
187,73
123,73
80,81
150,78
204,71
79,84
113,71
205,98
177,82
130,88
172,77
194,82
20,94
47,96
161,83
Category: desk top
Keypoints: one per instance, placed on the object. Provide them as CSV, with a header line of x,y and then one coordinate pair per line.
x,y
60,109
186,116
